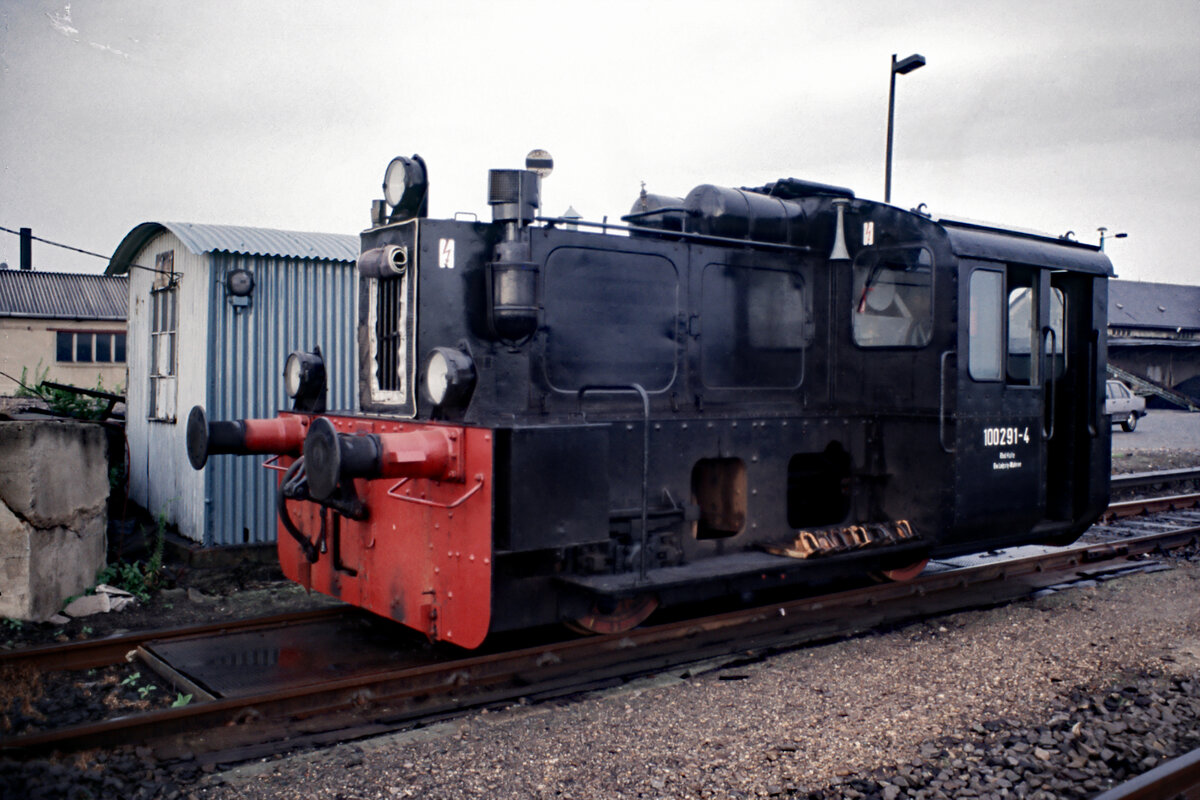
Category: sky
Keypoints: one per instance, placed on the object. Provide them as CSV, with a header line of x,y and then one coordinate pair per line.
x,y
1051,116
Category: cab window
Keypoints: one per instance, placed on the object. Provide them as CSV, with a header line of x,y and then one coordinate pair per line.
x,y
985,342
1023,333
893,297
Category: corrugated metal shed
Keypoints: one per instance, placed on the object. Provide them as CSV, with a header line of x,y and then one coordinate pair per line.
x,y
237,239
63,295
231,356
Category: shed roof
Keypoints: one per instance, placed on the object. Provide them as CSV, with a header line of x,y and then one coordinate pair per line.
x,y
237,239
63,295
1136,304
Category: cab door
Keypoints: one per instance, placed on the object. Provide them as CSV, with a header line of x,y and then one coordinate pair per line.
x,y
1073,351
1003,420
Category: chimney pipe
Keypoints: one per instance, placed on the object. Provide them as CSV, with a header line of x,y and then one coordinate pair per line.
x,y
26,249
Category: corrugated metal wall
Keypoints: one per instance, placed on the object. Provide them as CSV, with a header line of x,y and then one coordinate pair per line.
x,y
296,304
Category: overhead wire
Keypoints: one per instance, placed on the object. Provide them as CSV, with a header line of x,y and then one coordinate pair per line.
x,y
129,265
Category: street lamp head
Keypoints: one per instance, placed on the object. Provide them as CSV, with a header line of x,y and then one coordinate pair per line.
x,y
907,65
1104,235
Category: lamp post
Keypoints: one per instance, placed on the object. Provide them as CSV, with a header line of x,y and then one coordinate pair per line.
x,y
902,67
1103,231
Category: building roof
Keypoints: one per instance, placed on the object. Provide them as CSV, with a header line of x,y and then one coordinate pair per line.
x,y
1161,306
237,239
63,295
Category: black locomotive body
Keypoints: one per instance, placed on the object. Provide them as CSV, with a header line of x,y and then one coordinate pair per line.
x,y
739,390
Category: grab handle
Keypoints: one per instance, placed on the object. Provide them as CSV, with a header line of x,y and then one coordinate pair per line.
x,y
946,356
1049,337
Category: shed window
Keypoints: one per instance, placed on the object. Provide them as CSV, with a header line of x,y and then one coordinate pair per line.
x,y
87,346
65,346
164,306
83,347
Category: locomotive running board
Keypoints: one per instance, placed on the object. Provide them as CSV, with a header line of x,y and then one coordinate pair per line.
x,y
757,569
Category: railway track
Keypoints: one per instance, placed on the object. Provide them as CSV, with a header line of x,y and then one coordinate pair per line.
x,y
1161,478
1178,779
385,697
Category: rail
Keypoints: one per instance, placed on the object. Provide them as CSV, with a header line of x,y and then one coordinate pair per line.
x,y
1134,480
1178,779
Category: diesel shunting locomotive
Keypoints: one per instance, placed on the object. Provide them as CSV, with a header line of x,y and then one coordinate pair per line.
x,y
735,391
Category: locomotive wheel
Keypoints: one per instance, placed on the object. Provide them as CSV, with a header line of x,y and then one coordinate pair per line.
x,y
627,614
902,574
1129,423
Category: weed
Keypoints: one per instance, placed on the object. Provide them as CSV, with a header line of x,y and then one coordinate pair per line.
x,y
12,625
181,700
24,385
139,579
61,402
130,680
130,577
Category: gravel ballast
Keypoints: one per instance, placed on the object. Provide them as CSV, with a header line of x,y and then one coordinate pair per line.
x,y
1080,689
1059,696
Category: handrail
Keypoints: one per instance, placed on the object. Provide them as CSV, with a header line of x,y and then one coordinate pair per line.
x,y
1093,402
391,492
634,387
942,399
1049,336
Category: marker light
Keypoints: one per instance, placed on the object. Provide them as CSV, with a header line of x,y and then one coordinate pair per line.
x,y
405,187
304,380
449,377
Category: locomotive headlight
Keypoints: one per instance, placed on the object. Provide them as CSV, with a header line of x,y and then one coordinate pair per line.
x,y
406,186
304,380
449,377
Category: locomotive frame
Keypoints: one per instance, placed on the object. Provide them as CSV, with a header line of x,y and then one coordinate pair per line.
x,y
738,391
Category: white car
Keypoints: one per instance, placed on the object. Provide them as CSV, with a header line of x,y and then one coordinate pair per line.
x,y
1123,405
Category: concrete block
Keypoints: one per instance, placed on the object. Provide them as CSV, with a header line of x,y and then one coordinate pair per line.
x,y
52,471
53,495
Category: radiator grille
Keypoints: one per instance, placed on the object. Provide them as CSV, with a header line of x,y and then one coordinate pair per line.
x,y
390,367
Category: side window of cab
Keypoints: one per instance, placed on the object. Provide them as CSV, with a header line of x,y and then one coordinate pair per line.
x,y
893,297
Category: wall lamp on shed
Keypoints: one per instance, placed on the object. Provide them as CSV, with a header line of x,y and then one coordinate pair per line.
x,y
239,285
304,380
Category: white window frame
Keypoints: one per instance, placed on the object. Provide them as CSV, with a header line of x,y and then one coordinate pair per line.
x,y
163,325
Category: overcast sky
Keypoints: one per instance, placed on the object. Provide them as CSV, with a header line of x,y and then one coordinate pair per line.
x,y
1054,116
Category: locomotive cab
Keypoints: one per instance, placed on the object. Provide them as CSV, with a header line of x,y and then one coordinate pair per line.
x,y
737,391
